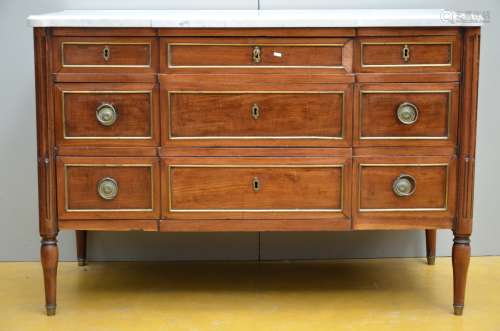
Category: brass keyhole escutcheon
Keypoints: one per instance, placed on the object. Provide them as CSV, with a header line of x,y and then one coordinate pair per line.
x,y
405,53
256,54
106,53
256,184
255,111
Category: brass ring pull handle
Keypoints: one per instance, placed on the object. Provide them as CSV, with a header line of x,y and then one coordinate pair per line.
x,y
106,53
404,185
407,113
107,188
405,53
106,114
256,184
257,54
255,111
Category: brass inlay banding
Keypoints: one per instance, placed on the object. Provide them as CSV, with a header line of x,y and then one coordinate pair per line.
x,y
341,181
150,93
403,43
449,92
66,207
171,137
444,208
170,65
147,65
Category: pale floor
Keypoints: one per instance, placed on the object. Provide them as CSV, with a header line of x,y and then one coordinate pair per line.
x,y
383,294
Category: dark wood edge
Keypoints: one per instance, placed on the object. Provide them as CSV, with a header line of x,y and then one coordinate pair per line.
x,y
256,32
410,31
45,135
104,32
403,224
105,77
252,151
110,225
389,77
253,225
244,225
467,131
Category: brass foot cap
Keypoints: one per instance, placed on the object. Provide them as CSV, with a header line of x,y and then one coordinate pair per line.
x,y
82,262
458,310
51,310
431,260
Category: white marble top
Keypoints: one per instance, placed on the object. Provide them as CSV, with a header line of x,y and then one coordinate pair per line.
x,y
250,18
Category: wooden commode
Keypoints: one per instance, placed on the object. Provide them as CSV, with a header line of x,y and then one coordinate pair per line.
x,y
173,122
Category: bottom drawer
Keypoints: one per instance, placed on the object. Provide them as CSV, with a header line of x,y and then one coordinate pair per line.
x,y
104,188
256,188
400,192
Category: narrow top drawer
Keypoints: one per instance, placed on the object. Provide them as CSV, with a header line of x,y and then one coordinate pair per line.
x,y
251,54
409,54
101,54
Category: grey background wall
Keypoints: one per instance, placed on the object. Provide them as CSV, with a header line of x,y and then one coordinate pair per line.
x,y
18,192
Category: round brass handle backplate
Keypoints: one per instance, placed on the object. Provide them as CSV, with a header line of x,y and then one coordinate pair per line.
x,y
106,114
107,188
407,113
404,185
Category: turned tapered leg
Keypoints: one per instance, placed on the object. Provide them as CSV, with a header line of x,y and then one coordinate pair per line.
x,y
49,256
81,247
430,245
460,258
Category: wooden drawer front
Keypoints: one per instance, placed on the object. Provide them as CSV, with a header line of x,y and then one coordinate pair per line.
x,y
258,118
407,114
107,114
129,188
438,53
405,187
256,188
217,54
74,54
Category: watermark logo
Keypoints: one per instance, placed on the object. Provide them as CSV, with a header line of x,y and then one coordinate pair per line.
x,y
465,16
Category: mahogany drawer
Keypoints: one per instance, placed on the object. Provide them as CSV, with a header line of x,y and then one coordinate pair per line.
x,y
106,114
409,54
256,188
214,117
255,54
406,114
105,54
108,188
408,190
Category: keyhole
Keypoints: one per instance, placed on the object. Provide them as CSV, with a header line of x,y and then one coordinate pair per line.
x,y
106,53
256,56
256,184
255,111
406,53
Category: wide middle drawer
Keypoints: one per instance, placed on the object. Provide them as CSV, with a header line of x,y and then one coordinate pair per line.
x,y
256,188
259,117
231,54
